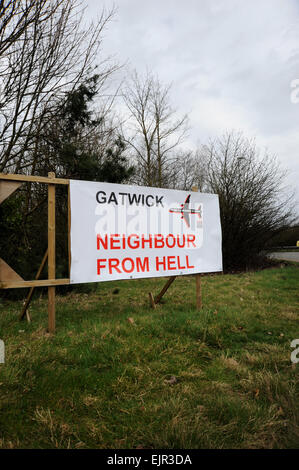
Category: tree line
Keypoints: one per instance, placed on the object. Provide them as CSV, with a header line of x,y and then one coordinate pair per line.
x,y
59,112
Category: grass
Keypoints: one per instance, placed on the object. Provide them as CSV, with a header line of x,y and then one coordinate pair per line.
x,y
120,375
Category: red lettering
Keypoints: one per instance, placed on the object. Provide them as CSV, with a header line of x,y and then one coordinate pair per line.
x,y
190,239
135,243
170,262
168,244
114,241
183,242
187,262
101,241
113,264
101,264
123,265
159,263
159,241
179,264
147,240
142,267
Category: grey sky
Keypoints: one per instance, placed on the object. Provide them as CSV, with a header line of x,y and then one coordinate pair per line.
x,y
231,63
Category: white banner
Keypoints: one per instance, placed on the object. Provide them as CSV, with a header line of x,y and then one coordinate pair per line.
x,y
128,232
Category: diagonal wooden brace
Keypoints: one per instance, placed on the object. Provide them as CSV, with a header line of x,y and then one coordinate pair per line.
x,y
7,273
7,188
30,294
165,288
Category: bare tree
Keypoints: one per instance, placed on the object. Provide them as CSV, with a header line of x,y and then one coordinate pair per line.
x,y
190,169
254,203
201,169
154,129
44,52
16,16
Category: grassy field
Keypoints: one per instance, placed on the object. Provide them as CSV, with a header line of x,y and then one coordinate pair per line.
x,y
120,375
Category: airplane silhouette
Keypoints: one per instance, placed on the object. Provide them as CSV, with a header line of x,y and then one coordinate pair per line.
x,y
185,211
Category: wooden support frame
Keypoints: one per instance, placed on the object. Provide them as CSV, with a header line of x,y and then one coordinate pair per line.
x,y
8,184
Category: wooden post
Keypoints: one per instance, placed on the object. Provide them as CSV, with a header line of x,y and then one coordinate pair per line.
x,y
198,277
69,227
51,254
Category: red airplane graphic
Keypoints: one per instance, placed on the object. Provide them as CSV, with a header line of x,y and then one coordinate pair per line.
x,y
184,210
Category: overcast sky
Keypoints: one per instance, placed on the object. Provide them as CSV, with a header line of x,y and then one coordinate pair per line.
x,y
231,63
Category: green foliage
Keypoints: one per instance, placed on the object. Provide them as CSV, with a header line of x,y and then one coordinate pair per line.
x,y
115,169
286,237
72,145
74,109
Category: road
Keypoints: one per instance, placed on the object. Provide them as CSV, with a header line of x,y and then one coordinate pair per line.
x,y
286,255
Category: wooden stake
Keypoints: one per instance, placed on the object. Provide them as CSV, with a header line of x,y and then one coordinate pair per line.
x,y
30,294
167,285
152,301
51,254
